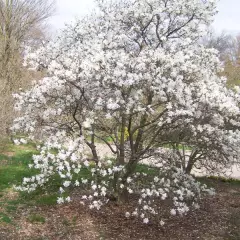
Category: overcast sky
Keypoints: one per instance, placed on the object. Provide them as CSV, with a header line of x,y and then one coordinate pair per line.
x,y
228,18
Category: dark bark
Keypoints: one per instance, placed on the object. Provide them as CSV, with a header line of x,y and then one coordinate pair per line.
x,y
191,162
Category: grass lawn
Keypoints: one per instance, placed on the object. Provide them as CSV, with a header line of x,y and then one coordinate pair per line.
x,y
36,216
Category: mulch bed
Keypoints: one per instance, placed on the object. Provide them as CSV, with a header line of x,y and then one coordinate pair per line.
x,y
217,219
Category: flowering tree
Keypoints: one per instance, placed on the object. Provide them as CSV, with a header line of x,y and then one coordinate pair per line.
x,y
133,76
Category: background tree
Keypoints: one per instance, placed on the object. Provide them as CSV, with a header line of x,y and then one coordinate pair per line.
x,y
21,22
228,46
232,64
224,42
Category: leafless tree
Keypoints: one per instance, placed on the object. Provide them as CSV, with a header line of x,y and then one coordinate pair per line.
x,y
228,46
21,22
224,42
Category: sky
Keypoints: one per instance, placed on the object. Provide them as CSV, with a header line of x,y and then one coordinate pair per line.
x,y
228,18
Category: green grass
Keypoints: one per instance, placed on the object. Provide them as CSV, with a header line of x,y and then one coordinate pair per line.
x,y
11,208
47,200
143,168
14,162
11,175
5,218
36,218
13,169
211,180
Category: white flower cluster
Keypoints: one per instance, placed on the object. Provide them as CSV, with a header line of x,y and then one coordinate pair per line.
x,y
101,186
63,157
20,141
180,190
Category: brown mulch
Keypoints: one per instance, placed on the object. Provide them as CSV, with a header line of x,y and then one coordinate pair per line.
x,y
218,219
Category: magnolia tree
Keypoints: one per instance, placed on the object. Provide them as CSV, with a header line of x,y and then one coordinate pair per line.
x,y
133,76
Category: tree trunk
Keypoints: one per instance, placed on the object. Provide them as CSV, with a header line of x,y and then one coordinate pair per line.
x,y
190,165
192,160
189,168
121,159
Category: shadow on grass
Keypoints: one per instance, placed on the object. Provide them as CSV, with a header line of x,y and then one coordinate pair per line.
x,y
212,181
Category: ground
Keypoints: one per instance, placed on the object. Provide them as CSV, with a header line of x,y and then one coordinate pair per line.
x,y
38,217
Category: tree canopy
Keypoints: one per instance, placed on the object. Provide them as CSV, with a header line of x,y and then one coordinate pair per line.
x,y
133,72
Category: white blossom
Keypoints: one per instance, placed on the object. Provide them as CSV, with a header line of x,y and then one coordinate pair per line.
x,y
173,212
146,220
60,200
127,214
161,222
